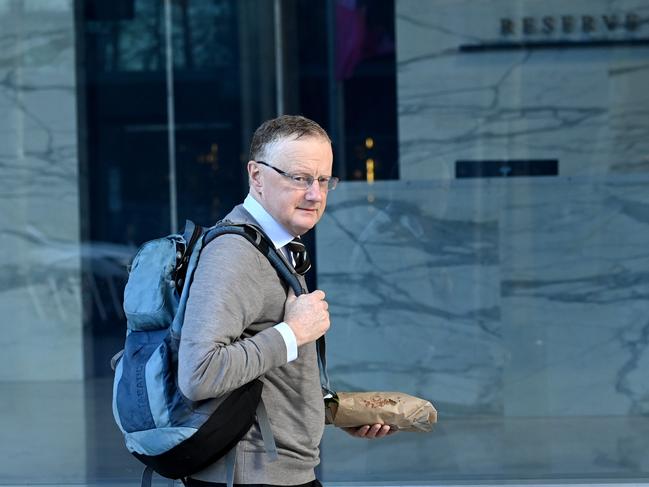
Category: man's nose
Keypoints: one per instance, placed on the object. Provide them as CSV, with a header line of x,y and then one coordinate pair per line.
x,y
314,192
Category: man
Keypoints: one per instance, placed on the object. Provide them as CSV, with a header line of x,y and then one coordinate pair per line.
x,y
237,293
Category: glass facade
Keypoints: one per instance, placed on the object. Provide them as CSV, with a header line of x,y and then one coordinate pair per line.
x,y
485,250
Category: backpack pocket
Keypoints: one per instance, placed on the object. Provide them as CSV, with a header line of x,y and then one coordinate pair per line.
x,y
150,296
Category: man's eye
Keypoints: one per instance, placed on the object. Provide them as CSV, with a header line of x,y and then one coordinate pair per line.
x,y
323,179
300,179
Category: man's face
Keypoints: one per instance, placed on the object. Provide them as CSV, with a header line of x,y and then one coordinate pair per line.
x,y
296,209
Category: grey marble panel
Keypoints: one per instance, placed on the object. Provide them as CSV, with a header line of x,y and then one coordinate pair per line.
x,y
574,297
586,108
44,432
629,116
519,307
508,297
39,196
410,279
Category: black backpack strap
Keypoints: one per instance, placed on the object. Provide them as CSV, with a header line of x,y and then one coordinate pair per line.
x,y
259,239
322,362
191,235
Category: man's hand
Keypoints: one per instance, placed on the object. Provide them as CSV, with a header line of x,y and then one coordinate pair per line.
x,y
307,315
370,432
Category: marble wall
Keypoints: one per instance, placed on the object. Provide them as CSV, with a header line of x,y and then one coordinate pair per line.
x,y
40,296
518,306
585,107
491,298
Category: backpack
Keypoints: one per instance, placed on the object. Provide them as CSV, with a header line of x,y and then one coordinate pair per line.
x,y
170,434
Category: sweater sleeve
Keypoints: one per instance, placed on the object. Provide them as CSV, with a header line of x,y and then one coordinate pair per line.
x,y
226,296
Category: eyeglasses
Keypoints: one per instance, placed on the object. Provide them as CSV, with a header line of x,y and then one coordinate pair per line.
x,y
304,181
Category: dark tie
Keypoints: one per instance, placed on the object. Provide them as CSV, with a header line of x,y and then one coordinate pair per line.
x,y
300,257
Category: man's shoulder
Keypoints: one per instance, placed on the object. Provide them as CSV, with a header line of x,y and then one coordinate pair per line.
x,y
230,247
239,214
235,250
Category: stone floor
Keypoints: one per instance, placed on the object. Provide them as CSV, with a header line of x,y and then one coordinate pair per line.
x,y
63,434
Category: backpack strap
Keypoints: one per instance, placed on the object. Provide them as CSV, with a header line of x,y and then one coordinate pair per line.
x,y
189,230
269,444
259,239
321,348
266,431
230,461
147,476
262,242
191,235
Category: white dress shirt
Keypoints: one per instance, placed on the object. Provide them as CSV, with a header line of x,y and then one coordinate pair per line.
x,y
280,237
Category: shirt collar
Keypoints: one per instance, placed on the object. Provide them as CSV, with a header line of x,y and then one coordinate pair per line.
x,y
268,224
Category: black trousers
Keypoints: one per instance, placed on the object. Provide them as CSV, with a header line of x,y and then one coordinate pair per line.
x,y
201,483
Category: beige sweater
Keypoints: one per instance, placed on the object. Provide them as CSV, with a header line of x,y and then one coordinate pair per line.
x,y
236,292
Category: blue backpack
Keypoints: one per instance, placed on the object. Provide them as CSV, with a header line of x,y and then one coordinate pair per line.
x,y
170,434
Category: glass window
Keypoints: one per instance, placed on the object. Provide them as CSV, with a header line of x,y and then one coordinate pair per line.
x,y
500,276
484,250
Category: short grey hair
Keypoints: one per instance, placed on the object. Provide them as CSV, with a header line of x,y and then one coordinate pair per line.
x,y
286,126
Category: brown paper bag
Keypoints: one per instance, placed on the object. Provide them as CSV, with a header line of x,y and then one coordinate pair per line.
x,y
401,411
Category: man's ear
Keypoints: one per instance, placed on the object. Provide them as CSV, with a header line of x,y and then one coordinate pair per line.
x,y
254,176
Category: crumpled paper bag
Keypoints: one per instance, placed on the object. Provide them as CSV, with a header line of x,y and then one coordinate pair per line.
x,y
401,411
